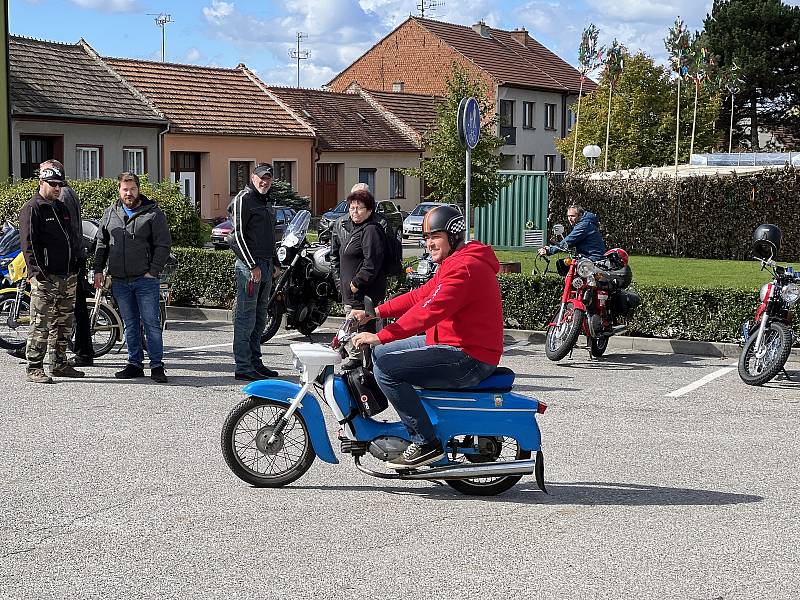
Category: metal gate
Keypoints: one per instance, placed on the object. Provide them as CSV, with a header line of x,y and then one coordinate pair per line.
x,y
518,218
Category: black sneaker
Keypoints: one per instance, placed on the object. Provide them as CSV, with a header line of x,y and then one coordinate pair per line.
x,y
130,372
81,361
157,374
265,371
18,353
417,455
249,376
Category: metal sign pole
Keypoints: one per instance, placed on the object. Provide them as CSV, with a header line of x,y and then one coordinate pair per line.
x,y
469,190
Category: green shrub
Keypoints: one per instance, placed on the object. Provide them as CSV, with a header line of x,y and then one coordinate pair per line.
x,y
204,277
184,223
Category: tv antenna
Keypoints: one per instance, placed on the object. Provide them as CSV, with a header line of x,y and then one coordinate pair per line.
x,y
299,54
161,20
428,5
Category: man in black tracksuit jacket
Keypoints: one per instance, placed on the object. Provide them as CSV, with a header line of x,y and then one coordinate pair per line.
x,y
253,242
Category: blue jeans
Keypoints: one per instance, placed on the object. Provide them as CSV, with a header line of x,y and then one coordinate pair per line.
x,y
138,301
403,364
250,316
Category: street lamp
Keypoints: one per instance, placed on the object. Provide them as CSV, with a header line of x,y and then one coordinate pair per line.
x,y
591,152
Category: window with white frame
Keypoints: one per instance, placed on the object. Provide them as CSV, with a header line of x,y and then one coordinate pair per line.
x,y
549,116
88,161
283,170
529,115
527,162
239,175
397,184
133,160
549,162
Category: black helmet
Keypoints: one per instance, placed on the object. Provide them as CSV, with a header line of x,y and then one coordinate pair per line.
x,y
767,241
448,219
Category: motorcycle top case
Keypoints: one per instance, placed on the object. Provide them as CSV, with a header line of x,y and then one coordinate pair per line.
x,y
364,389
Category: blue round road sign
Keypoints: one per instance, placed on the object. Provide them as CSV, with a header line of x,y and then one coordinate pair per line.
x,y
469,122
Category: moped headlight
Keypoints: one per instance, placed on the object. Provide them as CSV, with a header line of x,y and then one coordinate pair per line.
x,y
765,289
586,268
577,283
281,253
790,293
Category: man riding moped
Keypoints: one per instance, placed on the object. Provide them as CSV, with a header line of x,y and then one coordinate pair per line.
x,y
460,311
585,236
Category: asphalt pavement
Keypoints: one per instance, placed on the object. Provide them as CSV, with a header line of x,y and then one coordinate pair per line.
x,y
668,478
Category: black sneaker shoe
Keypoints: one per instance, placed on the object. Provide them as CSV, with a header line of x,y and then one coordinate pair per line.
x,y
18,353
417,455
249,376
130,372
265,371
80,361
157,374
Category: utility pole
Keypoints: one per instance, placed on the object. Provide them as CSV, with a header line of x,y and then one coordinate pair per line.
x,y
161,20
428,5
299,54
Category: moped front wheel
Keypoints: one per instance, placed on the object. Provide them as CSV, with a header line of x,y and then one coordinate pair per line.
x,y
758,365
562,336
249,453
274,319
14,332
105,333
492,449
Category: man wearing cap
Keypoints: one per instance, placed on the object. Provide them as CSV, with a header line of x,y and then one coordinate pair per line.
x,y
50,247
253,242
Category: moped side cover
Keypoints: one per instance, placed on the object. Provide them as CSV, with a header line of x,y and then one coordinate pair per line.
x,y
284,392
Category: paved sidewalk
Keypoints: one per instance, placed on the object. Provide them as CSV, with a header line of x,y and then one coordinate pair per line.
x,y
663,345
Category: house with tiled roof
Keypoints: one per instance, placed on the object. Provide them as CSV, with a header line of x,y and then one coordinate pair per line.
x,y
357,141
221,123
66,104
532,88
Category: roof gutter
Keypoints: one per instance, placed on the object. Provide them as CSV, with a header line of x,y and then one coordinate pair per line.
x,y
63,117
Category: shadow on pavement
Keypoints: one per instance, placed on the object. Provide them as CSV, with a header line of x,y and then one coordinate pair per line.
x,y
639,361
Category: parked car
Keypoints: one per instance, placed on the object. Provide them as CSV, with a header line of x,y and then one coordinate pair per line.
x,y
387,208
284,214
412,225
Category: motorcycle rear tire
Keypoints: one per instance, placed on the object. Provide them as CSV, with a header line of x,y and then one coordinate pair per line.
x,y
274,319
599,345
475,487
779,336
9,341
246,429
106,326
572,320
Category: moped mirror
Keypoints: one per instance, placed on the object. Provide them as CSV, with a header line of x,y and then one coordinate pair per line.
x,y
558,229
369,306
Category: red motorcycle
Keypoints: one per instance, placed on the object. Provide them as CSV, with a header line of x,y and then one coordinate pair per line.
x,y
594,302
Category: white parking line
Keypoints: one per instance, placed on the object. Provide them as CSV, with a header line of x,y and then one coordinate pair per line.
x,y
701,382
230,344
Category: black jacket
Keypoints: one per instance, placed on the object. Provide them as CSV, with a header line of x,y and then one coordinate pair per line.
x,y
359,251
253,235
70,200
341,229
47,238
133,246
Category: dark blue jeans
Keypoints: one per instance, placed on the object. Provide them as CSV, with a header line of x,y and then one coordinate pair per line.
x,y
138,301
250,316
403,364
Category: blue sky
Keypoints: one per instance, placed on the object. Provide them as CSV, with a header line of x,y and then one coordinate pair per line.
x,y
260,33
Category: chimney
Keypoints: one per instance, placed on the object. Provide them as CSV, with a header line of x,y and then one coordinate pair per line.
x,y
397,86
521,36
482,29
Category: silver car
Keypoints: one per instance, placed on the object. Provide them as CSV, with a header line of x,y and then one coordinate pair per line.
x,y
412,225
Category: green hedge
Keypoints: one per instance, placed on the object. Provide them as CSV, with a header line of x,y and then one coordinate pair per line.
x,y
184,223
717,214
205,277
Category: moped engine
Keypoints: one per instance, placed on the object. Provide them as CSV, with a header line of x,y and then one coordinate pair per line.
x,y
387,447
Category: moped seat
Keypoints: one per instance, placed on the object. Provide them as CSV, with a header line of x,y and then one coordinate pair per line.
x,y
500,381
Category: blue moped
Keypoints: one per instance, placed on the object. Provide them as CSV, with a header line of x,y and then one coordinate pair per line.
x,y
489,432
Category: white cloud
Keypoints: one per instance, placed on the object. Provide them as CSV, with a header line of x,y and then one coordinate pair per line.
x,y
193,55
218,10
108,6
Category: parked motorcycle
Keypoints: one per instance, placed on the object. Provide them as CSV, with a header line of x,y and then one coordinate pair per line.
x,y
305,289
15,306
9,250
271,438
764,353
594,302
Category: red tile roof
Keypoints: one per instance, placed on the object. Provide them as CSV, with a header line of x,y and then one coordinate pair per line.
x,y
418,111
210,101
345,122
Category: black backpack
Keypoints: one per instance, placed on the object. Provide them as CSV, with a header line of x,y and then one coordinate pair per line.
x,y
393,250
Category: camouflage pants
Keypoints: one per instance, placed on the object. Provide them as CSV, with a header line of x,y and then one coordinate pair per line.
x,y
52,313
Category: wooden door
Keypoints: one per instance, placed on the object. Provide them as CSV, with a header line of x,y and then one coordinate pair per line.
x,y
327,186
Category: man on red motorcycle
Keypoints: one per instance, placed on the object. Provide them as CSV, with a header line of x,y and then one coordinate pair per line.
x,y
462,315
585,236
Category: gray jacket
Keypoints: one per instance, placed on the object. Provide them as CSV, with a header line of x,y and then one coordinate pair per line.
x,y
133,246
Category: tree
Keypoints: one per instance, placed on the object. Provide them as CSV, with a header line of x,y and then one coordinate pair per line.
x,y
444,169
282,194
643,117
763,38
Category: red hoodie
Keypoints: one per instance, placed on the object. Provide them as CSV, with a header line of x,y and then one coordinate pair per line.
x,y
459,307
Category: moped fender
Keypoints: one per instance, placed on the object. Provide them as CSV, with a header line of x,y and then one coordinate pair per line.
x,y
284,392
12,290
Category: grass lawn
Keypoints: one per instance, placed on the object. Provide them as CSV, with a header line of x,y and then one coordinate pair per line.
x,y
690,272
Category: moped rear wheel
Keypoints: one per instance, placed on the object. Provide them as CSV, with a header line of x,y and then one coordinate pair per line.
x,y
14,335
562,336
245,447
758,365
493,449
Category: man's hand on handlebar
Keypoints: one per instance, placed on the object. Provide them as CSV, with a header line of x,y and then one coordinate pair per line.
x,y
361,316
543,251
365,338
